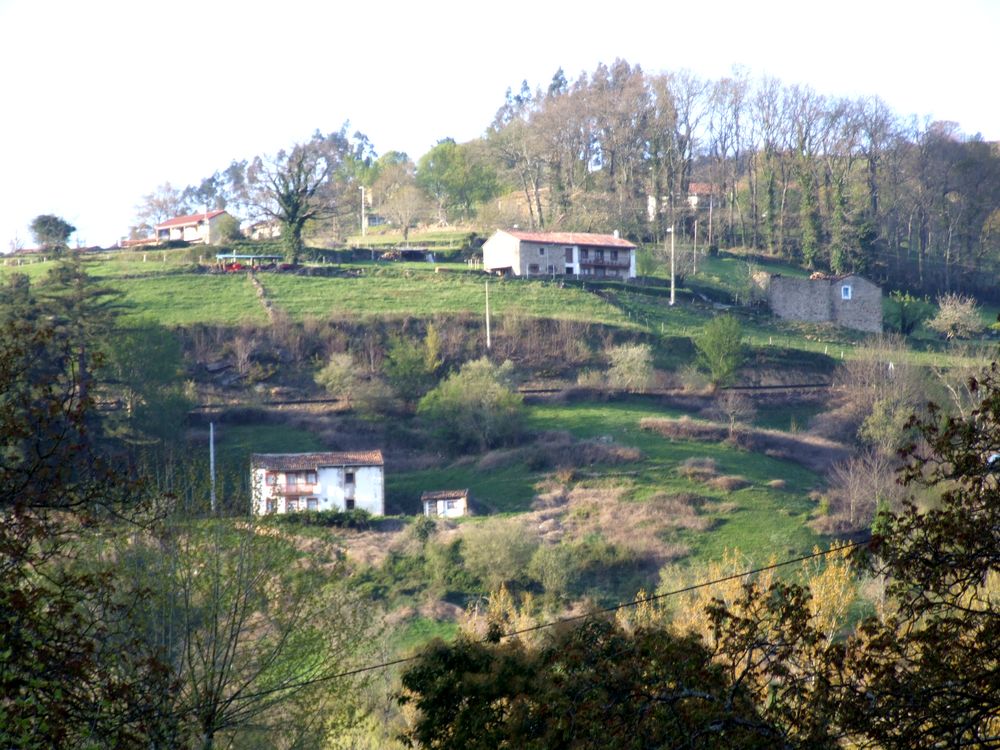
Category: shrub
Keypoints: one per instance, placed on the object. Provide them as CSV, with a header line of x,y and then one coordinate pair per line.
x,y
351,519
631,367
957,317
720,349
475,408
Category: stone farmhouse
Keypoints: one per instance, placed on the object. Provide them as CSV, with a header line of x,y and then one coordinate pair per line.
x,y
446,503
848,300
290,482
559,253
199,228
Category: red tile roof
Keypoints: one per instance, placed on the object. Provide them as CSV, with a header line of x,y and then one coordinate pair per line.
x,y
181,221
444,495
583,239
306,461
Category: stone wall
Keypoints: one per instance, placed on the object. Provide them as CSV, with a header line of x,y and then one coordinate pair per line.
x,y
822,301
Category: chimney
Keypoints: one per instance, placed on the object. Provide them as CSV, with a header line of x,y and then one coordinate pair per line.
x,y
616,234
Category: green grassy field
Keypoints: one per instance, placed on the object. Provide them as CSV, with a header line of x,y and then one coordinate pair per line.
x,y
762,521
397,292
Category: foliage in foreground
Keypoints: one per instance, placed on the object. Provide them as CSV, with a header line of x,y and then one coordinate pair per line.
x,y
767,665
591,686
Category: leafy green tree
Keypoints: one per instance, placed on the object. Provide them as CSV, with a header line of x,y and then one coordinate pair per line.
x,y
927,674
72,671
904,312
410,367
340,377
456,177
475,408
720,349
51,232
590,685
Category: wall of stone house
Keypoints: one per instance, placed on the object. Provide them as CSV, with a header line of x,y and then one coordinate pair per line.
x,y
863,311
821,301
800,299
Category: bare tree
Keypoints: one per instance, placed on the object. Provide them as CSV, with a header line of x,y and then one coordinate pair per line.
x,y
255,638
295,187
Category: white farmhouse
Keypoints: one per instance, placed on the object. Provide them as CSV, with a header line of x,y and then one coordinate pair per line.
x,y
559,253
200,228
290,482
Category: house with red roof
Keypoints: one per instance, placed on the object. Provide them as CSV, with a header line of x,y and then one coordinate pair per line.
x,y
559,254
340,481
199,228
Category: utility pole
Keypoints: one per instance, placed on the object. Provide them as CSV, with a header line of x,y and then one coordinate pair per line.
x,y
363,225
694,250
211,461
673,266
488,342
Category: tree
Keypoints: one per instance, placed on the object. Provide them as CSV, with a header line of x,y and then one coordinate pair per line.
x,y
957,317
588,685
720,348
456,177
904,312
476,407
294,187
254,639
927,674
165,202
72,671
51,232
410,367
340,377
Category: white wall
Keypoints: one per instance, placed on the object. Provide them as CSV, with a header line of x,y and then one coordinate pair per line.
x,y
331,489
501,251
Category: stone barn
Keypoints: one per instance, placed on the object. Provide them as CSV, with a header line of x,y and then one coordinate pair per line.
x,y
848,300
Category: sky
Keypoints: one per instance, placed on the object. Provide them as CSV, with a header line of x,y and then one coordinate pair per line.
x,y
102,101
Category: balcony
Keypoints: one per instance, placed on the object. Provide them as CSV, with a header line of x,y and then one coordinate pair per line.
x,y
605,263
291,490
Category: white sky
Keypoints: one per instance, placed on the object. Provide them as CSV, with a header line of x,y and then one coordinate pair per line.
x,y
102,100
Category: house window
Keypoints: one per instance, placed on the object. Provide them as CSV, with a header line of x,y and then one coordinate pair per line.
x,y
845,291
599,254
541,251
271,479
310,477
551,269
584,254
349,503
272,505
532,268
312,503
348,477
614,255
449,505
569,254
291,505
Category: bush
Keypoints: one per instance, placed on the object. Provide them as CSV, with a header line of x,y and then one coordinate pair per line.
x,y
957,318
475,408
350,519
720,349
631,367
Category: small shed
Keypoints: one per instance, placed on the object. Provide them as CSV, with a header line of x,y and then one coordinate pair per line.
x,y
446,503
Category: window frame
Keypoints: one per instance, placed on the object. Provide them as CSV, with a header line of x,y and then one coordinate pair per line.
x,y
846,292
